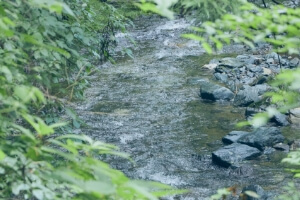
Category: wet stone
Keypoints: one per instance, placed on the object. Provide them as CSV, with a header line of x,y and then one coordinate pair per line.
x,y
221,77
294,62
231,63
249,95
269,150
262,137
233,136
282,147
215,92
247,59
234,154
254,68
280,120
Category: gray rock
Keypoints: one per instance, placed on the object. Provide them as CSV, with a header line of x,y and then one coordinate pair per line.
x,y
233,136
259,80
243,70
250,112
247,59
254,68
215,92
250,74
262,137
269,150
275,68
231,63
267,71
249,81
280,119
295,62
233,154
250,95
221,77
270,61
282,147
274,56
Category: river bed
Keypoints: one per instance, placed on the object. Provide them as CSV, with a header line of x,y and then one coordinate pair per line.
x,y
149,106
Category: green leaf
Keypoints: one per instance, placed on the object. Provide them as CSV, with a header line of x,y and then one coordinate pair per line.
x,y
2,155
252,194
39,194
207,47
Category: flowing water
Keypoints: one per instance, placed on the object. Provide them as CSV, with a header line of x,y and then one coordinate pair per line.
x,y
149,106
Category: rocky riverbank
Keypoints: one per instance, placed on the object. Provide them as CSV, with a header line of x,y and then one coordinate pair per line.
x,y
243,81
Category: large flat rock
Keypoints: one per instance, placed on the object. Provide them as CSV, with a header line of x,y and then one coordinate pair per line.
x,y
233,154
262,137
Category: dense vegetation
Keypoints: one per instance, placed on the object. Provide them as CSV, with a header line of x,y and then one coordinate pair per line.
x,y
49,47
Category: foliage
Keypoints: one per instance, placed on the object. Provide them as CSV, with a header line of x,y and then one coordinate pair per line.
x,y
203,8
41,43
161,7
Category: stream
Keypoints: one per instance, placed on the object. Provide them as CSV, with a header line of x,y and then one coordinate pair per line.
x,y
149,106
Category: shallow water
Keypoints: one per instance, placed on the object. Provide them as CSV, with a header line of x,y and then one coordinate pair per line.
x,y
149,106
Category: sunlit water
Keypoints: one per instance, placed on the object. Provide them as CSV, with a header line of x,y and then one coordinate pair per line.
x,y
149,106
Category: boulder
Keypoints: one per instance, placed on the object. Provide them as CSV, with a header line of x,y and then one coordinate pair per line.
x,y
262,137
282,147
222,77
295,62
280,119
231,63
250,95
233,136
233,154
215,92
